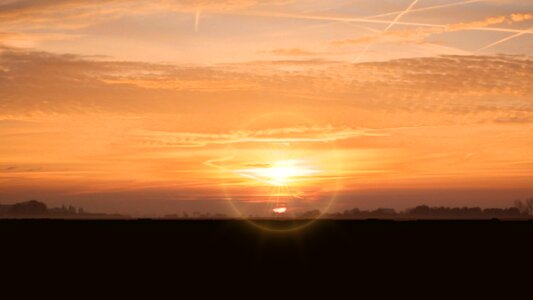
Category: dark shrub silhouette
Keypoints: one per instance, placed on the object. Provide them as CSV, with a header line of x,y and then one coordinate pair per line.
x,y
312,214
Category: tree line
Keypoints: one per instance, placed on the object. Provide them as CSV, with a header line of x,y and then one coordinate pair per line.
x,y
521,209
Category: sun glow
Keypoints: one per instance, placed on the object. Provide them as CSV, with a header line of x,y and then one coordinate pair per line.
x,y
279,210
280,173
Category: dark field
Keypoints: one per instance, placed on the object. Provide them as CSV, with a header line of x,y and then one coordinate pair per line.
x,y
341,257
236,244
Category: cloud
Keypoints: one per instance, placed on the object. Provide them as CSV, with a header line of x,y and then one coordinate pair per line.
x,y
217,5
41,86
57,10
81,129
418,35
395,36
302,134
184,85
69,12
426,8
521,17
515,119
29,15
476,24
258,165
30,39
292,52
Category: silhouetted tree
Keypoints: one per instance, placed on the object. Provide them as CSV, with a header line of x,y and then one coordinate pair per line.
x,y
312,214
29,207
384,212
421,210
352,212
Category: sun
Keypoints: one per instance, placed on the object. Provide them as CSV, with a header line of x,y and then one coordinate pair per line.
x,y
279,210
279,173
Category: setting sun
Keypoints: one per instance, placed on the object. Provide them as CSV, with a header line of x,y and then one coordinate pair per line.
x,y
279,210
280,173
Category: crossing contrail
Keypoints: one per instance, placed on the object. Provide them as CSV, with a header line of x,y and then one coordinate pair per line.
x,y
426,8
330,18
504,40
398,17
397,12
372,21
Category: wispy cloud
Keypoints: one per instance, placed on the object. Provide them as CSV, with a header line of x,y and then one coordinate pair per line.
x,y
292,52
26,16
303,134
420,34
476,26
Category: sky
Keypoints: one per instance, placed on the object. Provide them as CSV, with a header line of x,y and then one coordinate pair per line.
x,y
249,106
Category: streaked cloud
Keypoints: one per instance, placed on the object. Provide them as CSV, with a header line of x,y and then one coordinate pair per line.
x,y
521,17
315,134
82,11
25,17
292,52
420,34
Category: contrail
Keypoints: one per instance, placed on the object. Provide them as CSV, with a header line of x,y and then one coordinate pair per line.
x,y
372,21
362,53
397,12
197,20
337,22
366,28
398,17
330,18
504,40
495,29
426,8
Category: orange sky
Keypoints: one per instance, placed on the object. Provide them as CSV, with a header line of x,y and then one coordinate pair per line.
x,y
154,107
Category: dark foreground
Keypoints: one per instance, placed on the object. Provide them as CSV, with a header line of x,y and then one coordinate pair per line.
x,y
412,252
238,244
